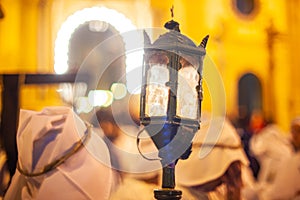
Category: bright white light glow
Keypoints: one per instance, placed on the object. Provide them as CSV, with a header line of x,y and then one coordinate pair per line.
x,y
119,90
112,17
134,61
157,91
82,105
70,92
100,98
187,101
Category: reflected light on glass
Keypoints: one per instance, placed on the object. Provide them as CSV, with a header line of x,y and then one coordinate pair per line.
x,y
157,91
119,90
187,101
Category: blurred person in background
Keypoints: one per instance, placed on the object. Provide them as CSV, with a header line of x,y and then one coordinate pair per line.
x,y
247,127
218,167
285,182
270,147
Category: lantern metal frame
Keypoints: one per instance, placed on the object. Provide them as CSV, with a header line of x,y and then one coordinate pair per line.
x,y
173,44
164,128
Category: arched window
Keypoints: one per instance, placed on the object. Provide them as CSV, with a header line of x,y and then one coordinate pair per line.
x,y
245,8
116,21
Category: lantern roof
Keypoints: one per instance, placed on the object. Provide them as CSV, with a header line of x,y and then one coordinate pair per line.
x,y
174,37
173,40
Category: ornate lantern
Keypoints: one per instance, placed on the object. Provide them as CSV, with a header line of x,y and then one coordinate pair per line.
x,y
171,98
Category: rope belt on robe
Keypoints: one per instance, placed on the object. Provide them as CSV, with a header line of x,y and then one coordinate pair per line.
x,y
71,151
217,145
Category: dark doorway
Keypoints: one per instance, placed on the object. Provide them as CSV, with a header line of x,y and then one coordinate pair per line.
x,y
250,101
249,95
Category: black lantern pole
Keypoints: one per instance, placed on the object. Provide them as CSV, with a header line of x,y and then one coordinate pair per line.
x,y
171,98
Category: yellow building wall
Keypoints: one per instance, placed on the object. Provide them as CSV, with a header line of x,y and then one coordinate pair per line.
x,y
293,26
18,36
240,45
236,46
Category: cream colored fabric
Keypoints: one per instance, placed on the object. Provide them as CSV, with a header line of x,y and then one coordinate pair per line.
x,y
215,146
280,165
286,182
45,136
133,189
129,157
270,147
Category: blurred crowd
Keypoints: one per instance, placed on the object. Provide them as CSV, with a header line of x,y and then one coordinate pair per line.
x,y
253,162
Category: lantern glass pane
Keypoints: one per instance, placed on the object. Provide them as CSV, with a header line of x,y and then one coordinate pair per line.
x,y
157,91
187,96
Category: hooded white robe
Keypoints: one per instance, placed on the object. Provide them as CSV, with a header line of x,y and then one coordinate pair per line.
x,y
46,136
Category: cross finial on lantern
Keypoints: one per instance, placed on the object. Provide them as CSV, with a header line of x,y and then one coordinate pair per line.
x,y
172,25
172,11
